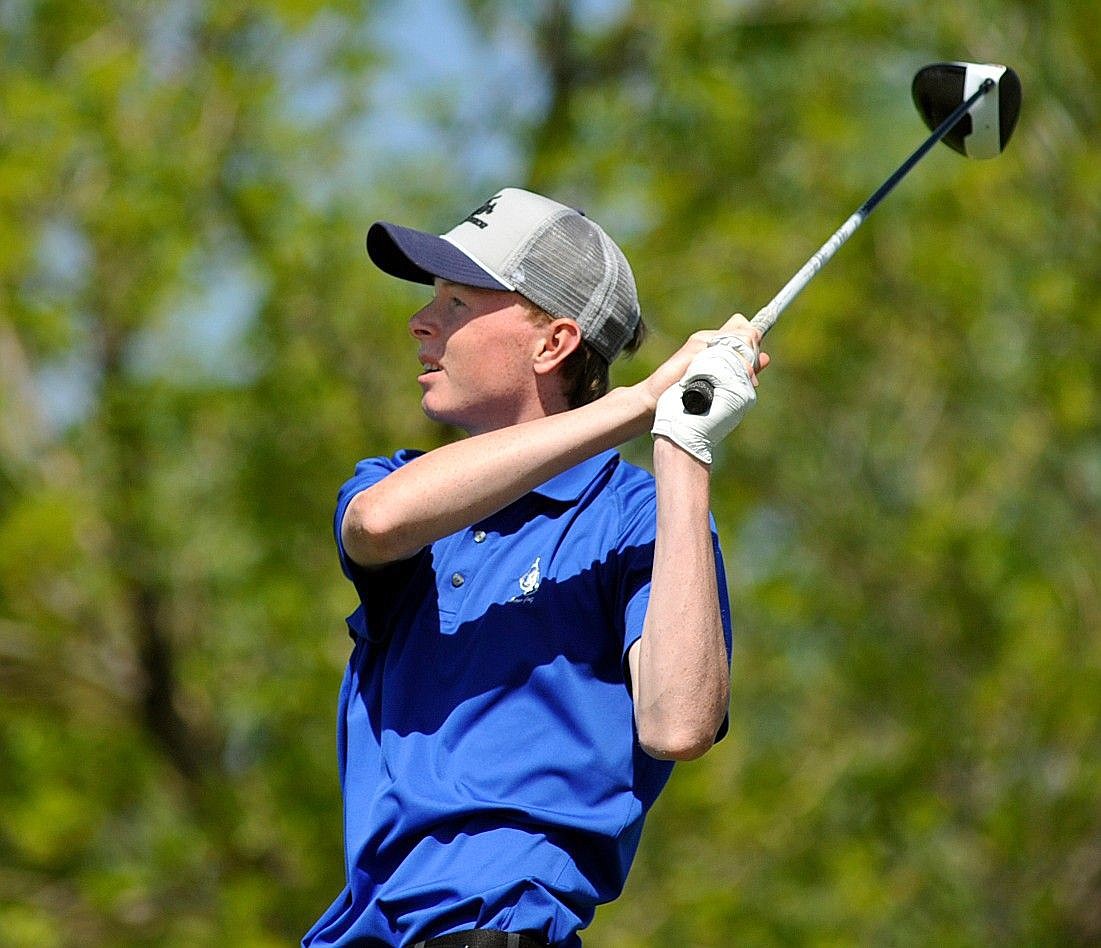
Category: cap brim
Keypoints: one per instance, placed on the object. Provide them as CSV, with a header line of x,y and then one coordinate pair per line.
x,y
422,258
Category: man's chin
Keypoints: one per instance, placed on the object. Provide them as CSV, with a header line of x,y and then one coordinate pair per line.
x,y
439,414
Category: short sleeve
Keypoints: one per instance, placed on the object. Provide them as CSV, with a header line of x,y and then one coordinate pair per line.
x,y
635,556
367,473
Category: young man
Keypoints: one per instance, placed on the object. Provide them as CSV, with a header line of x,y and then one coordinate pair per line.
x,y
543,628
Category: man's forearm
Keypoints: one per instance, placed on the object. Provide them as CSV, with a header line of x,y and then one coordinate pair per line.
x,y
461,483
681,671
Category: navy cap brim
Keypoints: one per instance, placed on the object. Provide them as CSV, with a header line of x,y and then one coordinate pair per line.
x,y
421,258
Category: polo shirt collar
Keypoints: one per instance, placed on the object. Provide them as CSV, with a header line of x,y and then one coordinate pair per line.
x,y
572,483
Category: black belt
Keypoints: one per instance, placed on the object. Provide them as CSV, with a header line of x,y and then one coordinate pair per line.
x,y
481,938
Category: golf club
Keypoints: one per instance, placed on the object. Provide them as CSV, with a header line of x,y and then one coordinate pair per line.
x,y
954,100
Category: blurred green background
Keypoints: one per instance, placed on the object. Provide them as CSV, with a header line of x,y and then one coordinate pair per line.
x,y
194,352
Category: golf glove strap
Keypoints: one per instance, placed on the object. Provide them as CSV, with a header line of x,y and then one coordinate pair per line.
x,y
725,363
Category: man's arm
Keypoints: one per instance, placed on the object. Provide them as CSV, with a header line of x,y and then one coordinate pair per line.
x,y
461,483
680,674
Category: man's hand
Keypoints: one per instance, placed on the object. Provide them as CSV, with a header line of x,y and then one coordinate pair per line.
x,y
729,362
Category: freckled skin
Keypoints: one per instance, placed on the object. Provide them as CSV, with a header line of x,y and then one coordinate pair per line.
x,y
482,341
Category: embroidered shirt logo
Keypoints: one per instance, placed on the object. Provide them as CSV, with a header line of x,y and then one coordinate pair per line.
x,y
529,583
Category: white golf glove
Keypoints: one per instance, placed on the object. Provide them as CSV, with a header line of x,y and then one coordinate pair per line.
x,y
725,363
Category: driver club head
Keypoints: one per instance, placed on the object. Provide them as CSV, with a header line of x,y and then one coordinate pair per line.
x,y
985,130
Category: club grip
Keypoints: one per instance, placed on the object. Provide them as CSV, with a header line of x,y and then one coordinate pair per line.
x,y
699,393
697,396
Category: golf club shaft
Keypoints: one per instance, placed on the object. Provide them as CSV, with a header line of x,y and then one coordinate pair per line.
x,y
768,314
699,392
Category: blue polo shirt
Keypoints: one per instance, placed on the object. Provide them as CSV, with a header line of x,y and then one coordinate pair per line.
x,y
491,772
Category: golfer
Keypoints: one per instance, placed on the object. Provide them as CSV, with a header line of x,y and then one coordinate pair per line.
x,y
543,628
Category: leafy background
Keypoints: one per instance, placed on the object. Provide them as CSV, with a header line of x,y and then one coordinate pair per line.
x,y
194,352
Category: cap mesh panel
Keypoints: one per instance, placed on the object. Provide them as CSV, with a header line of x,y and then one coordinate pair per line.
x,y
572,268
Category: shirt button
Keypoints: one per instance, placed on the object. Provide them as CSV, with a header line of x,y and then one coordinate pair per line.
x,y
457,580
479,536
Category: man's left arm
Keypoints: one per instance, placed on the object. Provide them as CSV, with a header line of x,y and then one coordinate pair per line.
x,y
680,671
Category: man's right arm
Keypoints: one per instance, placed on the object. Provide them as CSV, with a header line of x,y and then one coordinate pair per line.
x,y
461,483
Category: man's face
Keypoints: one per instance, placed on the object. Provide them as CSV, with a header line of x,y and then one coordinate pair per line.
x,y
476,349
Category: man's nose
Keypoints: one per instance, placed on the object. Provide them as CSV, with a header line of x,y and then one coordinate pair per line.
x,y
421,324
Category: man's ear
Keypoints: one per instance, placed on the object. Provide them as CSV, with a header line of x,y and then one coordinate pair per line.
x,y
561,338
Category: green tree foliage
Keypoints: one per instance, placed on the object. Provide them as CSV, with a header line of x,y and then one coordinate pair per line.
x,y
169,617
193,354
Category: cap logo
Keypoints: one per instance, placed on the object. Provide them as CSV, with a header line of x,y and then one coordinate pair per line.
x,y
486,208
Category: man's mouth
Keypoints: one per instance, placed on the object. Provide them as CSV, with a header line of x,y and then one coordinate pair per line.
x,y
429,367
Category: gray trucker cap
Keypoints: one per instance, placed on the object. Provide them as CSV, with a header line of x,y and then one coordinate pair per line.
x,y
547,252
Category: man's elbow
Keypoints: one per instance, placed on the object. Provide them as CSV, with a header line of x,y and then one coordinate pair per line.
x,y
677,743
370,538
